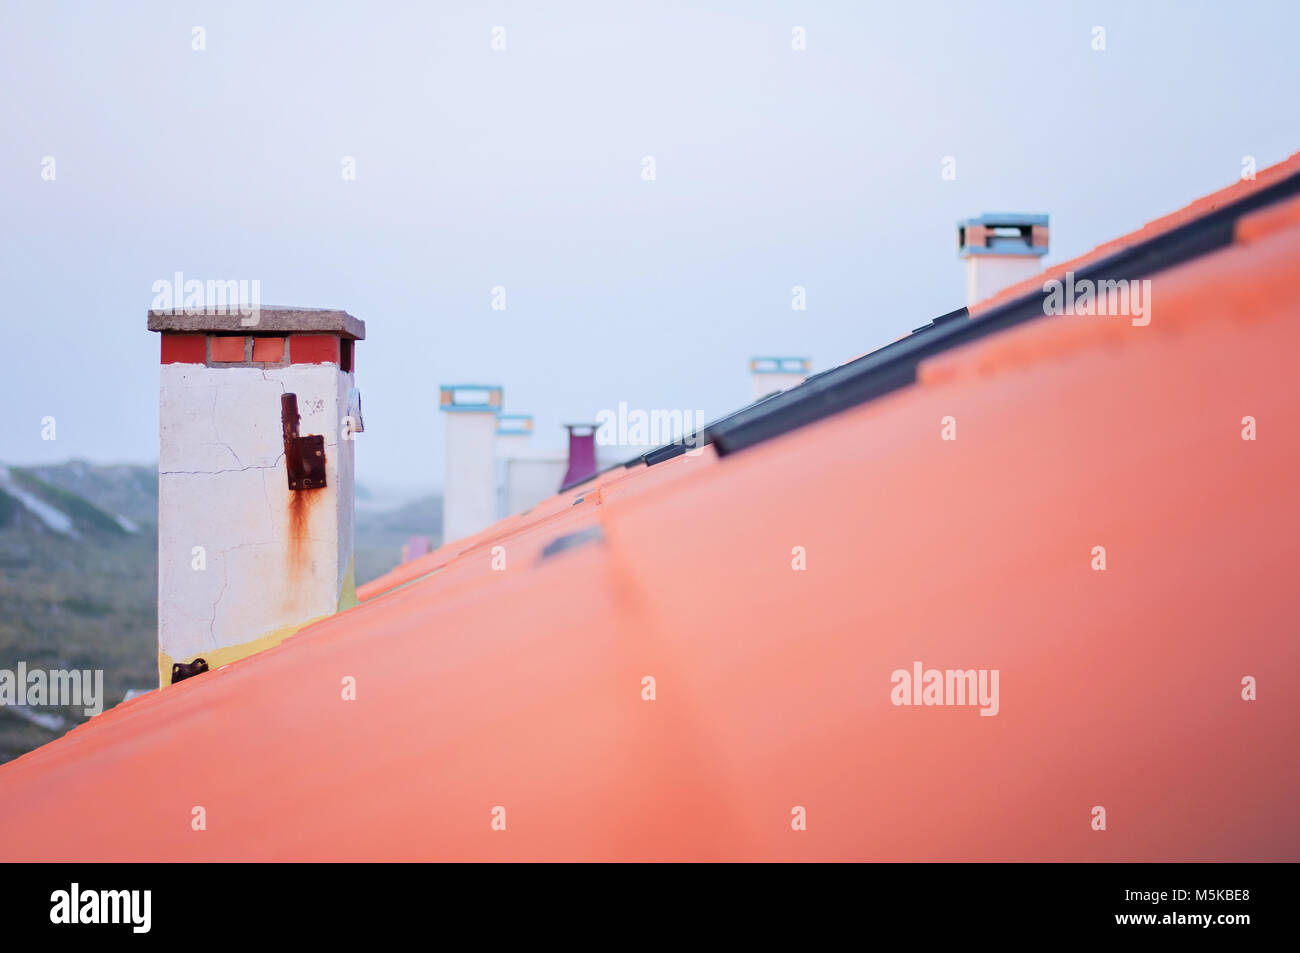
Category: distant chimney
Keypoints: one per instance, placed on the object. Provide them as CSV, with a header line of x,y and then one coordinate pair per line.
x,y
255,479
1001,249
415,547
514,431
469,493
582,454
771,374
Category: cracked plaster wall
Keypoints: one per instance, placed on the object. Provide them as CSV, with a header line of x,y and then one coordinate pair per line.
x,y
222,485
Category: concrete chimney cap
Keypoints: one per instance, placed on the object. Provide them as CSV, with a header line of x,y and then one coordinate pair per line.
x,y
270,319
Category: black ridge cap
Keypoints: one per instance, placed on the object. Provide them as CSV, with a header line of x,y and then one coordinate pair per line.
x,y
587,479
959,314
894,366
700,438
703,436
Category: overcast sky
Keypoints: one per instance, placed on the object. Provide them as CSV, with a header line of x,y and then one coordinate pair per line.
x,y
523,168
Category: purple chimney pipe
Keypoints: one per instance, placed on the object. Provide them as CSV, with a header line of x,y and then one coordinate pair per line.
x,y
582,454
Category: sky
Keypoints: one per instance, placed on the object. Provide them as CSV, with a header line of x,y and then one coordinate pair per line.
x,y
523,168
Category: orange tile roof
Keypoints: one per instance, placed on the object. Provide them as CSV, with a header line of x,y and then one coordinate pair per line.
x,y
522,689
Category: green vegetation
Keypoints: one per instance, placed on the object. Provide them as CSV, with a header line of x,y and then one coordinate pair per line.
x,y
9,508
90,601
85,515
86,603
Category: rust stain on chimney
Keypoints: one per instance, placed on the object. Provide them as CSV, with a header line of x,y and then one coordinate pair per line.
x,y
301,504
305,465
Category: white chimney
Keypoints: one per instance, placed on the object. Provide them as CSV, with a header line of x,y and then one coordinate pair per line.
x,y
772,374
1001,249
514,432
255,479
469,493
532,476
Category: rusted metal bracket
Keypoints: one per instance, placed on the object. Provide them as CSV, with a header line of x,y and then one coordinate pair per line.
x,y
184,670
304,457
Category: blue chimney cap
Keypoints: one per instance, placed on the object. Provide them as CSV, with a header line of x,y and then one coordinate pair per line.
x,y
1015,234
514,425
470,397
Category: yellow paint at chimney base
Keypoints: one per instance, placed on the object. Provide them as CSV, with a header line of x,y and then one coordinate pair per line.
x,y
232,653
348,591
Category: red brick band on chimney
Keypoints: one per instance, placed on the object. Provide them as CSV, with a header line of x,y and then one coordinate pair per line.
x,y
313,349
216,350
228,349
184,348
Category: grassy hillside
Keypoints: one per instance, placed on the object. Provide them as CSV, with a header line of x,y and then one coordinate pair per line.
x,y
84,601
381,534
79,577
128,490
